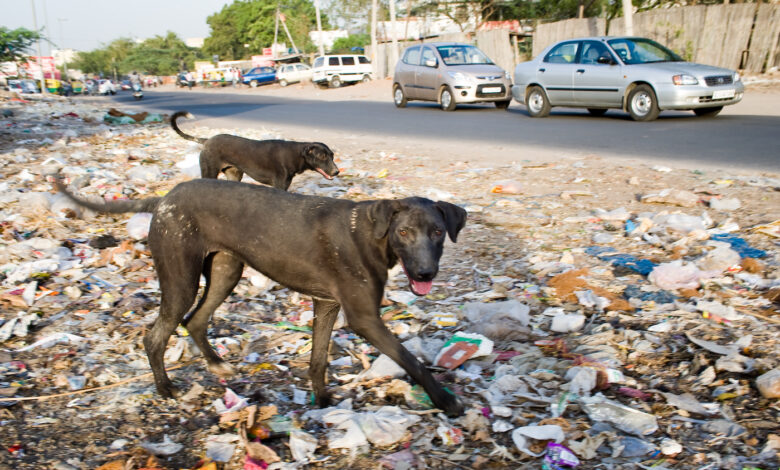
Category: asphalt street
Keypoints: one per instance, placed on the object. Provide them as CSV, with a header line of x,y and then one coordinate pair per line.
x,y
745,136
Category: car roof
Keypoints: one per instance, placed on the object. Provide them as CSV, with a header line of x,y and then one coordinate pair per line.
x,y
445,43
599,38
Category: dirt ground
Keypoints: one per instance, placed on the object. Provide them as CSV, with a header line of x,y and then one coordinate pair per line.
x,y
529,223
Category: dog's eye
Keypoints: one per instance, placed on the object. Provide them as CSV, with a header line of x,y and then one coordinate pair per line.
x,y
402,232
438,233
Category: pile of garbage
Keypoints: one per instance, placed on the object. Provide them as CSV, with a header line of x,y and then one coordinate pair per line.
x,y
587,317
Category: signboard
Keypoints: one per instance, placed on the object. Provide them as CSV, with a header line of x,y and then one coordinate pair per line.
x,y
47,64
267,51
262,60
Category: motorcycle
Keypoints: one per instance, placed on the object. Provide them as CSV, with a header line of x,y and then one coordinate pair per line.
x,y
137,91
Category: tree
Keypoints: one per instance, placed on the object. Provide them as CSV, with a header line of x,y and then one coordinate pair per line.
x,y
345,45
252,22
14,43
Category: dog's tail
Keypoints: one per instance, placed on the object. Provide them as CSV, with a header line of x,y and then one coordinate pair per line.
x,y
115,207
186,114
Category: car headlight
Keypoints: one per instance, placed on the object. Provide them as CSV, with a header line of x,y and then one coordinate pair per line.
x,y
458,76
508,75
737,77
684,79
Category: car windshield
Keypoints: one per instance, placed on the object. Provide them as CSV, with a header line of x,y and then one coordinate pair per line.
x,y
463,55
642,51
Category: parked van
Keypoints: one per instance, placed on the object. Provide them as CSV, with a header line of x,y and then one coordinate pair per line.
x,y
334,70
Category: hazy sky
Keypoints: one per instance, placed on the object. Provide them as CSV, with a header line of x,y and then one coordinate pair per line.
x,y
88,24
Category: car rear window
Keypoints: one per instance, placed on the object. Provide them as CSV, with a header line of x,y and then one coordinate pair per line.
x,y
347,61
333,61
318,61
563,53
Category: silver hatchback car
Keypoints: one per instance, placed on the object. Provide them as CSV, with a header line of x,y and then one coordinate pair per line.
x,y
450,73
631,73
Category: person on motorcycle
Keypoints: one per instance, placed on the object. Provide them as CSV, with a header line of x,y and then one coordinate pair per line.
x,y
135,80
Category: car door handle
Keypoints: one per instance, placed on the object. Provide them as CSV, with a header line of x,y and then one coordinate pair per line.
x,y
542,70
580,70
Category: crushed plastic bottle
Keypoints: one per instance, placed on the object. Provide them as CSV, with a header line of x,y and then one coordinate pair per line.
x,y
600,408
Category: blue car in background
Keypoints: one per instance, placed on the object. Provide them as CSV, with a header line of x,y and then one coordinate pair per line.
x,y
259,76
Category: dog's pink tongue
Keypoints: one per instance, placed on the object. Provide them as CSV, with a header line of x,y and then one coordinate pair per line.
x,y
421,288
327,176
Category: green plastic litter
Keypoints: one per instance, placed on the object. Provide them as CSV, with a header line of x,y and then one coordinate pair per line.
x,y
289,326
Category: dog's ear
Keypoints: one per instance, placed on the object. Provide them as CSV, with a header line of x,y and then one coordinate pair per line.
x,y
380,213
454,218
316,150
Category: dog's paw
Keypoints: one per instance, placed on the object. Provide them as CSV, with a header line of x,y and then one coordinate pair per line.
x,y
222,369
167,390
323,400
450,403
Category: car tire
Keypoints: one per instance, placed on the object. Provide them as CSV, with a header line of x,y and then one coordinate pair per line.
x,y
708,112
283,82
536,102
503,104
642,104
597,111
446,99
366,79
335,82
254,83
399,97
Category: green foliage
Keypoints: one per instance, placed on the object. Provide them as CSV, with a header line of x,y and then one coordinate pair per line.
x,y
15,42
549,10
160,55
345,45
252,22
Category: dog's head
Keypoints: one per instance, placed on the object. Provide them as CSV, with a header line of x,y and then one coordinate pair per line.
x,y
415,229
319,157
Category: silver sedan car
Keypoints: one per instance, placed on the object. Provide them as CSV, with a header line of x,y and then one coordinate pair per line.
x,y
450,73
635,74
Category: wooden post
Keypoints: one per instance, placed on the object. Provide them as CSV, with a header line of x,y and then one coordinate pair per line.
x,y
373,37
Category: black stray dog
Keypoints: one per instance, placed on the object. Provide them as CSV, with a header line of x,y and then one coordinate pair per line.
x,y
337,251
271,162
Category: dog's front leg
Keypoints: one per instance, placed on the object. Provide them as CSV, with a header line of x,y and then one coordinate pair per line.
x,y
325,314
368,324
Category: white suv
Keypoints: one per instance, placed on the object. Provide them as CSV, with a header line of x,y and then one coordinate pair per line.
x,y
334,70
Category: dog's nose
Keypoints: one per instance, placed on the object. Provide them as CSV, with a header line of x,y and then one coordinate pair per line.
x,y
336,172
426,274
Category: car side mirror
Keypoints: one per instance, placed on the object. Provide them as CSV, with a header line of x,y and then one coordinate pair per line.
x,y
605,60
430,63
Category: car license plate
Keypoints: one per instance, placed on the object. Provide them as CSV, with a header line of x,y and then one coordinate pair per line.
x,y
721,94
491,89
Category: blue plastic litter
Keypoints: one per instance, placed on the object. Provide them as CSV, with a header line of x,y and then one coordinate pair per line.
x,y
659,297
740,245
642,266
631,226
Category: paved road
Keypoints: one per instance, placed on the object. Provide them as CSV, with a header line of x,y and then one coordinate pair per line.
x,y
742,137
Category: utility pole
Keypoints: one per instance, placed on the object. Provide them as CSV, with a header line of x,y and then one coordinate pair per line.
x,y
38,42
319,27
394,49
62,47
628,16
373,37
276,32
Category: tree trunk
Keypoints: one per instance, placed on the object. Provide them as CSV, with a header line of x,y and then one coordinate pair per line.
x,y
373,38
394,37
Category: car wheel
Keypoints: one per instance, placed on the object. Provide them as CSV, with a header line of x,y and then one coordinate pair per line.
x,y
708,112
399,97
335,82
597,111
503,104
283,82
366,79
254,83
642,105
536,102
446,100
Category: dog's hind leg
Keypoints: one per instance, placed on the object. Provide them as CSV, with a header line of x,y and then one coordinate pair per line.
x,y
367,323
209,168
325,314
178,273
222,272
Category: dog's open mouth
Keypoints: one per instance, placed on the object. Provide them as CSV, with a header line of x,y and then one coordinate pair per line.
x,y
322,172
418,287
